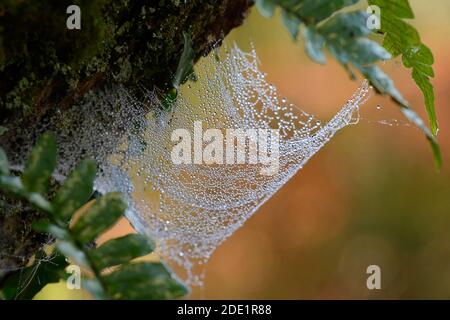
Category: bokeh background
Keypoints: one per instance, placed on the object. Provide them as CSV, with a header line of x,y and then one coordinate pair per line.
x,y
371,196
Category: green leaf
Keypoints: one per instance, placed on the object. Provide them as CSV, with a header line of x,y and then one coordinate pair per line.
x,y
186,64
4,166
100,217
314,11
400,8
140,281
168,99
403,35
39,201
345,35
25,283
348,26
414,118
363,51
144,281
58,232
383,84
403,39
40,164
349,45
3,130
121,250
291,22
420,61
14,186
71,251
75,191
266,7
314,44
94,286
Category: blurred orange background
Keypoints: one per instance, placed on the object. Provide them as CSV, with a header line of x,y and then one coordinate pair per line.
x,y
371,196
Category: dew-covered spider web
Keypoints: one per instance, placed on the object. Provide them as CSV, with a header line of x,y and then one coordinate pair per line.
x,y
190,209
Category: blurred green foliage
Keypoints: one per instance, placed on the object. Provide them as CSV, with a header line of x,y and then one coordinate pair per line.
x,y
127,280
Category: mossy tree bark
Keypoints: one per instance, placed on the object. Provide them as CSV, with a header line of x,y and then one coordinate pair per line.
x,y
44,66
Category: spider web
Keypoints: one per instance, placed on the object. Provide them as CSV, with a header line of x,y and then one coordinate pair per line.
x,y
190,209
